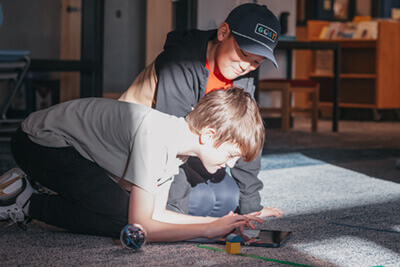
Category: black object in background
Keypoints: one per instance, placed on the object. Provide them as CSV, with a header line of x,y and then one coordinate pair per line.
x,y
283,19
264,238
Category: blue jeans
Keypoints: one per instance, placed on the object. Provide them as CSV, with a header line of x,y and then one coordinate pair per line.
x,y
214,199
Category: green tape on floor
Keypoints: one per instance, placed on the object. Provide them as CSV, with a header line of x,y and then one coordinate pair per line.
x,y
254,256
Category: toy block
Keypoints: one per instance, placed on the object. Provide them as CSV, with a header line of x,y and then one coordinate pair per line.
x,y
232,248
233,244
234,238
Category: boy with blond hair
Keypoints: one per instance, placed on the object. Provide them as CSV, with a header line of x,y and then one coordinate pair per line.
x,y
112,163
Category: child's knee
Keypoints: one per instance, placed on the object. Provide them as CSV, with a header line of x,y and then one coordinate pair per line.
x,y
227,191
202,200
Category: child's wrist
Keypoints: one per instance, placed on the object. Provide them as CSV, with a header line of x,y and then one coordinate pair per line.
x,y
206,230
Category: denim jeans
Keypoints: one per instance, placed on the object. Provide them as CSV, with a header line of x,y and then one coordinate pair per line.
x,y
214,199
88,201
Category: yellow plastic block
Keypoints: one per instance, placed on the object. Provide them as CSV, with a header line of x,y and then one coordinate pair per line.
x,y
232,248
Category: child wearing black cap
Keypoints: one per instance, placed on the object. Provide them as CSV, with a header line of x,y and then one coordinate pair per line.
x,y
192,64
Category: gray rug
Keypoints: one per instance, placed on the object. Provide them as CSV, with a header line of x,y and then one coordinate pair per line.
x,y
338,217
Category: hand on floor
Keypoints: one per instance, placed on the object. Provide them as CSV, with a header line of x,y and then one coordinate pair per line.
x,y
267,212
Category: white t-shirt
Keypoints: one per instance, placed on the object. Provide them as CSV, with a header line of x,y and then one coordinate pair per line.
x,y
129,141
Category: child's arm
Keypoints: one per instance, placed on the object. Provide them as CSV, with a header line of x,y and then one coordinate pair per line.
x,y
160,213
141,209
267,212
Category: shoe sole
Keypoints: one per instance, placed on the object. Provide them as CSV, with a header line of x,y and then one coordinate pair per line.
x,y
15,192
8,183
7,199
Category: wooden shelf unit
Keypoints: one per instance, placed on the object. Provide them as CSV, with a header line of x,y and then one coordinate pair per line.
x,y
344,75
370,69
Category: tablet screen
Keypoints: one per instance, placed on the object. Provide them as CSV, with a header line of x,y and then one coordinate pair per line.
x,y
262,238
265,238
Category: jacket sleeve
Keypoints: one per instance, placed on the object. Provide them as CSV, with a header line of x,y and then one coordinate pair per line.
x,y
245,174
178,198
177,85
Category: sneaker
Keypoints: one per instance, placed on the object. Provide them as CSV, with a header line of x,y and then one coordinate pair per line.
x,y
15,193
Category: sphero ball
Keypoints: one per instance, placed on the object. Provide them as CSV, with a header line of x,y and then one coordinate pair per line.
x,y
133,236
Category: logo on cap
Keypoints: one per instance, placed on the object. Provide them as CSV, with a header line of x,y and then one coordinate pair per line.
x,y
265,32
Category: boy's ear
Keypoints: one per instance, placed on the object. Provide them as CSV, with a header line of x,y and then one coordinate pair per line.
x,y
223,31
207,135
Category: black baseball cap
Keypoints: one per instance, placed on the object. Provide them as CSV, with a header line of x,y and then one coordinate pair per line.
x,y
256,29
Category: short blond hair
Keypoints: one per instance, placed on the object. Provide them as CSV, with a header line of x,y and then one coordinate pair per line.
x,y
235,117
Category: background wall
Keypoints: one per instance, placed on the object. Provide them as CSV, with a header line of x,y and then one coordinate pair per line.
x,y
267,69
36,27
124,43
28,25
363,7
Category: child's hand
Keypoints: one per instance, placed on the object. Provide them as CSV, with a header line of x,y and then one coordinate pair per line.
x,y
251,218
259,215
267,212
225,225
